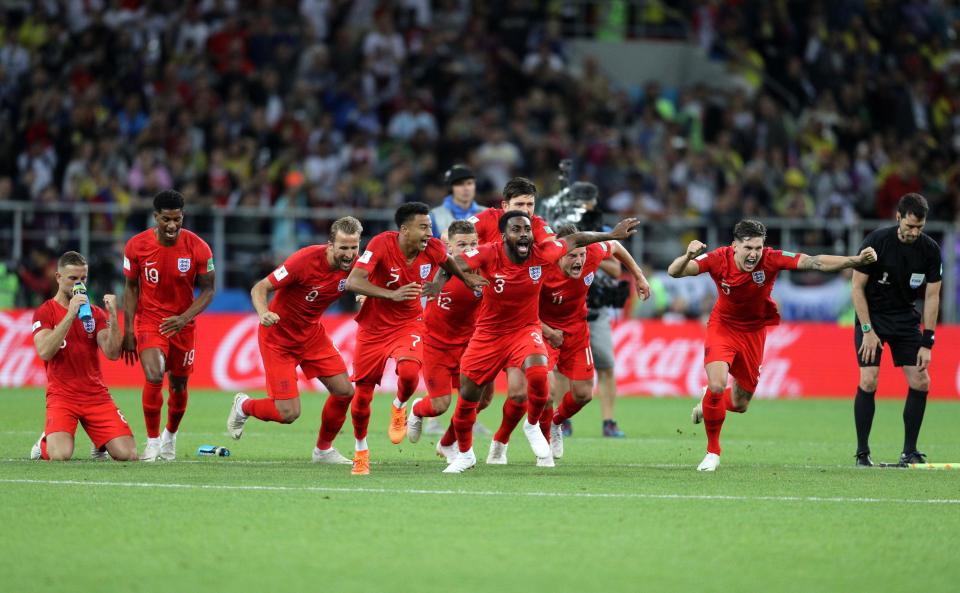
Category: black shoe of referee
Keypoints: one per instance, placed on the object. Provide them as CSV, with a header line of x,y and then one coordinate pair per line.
x,y
912,457
863,459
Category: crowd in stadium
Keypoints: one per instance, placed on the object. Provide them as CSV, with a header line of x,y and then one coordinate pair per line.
x,y
840,108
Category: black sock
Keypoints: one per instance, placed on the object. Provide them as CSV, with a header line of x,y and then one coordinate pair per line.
x,y
912,418
863,408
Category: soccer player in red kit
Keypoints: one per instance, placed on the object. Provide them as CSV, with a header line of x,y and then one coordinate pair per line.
x,y
563,316
162,265
391,273
449,319
744,273
487,222
291,334
508,332
68,347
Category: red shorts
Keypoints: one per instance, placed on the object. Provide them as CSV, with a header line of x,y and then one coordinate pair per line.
x,y
317,358
743,351
441,368
178,350
487,354
101,419
372,351
573,359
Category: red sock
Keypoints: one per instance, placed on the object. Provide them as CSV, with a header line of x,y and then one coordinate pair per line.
x,y
538,392
545,419
713,414
728,402
424,408
43,449
449,437
152,405
264,408
567,409
334,415
464,417
176,408
512,414
360,410
408,373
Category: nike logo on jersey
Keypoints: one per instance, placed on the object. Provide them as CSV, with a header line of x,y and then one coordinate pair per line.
x,y
394,269
150,263
499,276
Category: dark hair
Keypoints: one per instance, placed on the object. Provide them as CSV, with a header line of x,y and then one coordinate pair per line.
x,y
168,199
748,229
71,258
461,227
409,210
913,204
566,229
519,186
506,216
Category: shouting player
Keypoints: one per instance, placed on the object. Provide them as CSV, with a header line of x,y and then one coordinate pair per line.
x,y
291,334
391,273
508,332
76,392
162,265
744,273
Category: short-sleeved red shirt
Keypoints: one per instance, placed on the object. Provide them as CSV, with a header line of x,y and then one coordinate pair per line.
x,y
450,317
744,302
487,224
74,371
563,300
387,267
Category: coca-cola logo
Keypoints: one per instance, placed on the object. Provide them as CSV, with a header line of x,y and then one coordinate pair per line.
x,y
19,364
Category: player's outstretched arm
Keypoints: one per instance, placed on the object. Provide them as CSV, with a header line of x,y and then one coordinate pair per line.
x,y
623,230
621,254
456,266
207,283
685,265
109,339
359,282
131,297
835,263
260,297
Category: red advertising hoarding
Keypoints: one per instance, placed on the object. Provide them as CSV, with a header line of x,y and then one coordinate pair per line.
x,y
653,358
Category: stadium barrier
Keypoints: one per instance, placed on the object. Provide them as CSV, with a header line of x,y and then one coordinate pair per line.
x,y
653,358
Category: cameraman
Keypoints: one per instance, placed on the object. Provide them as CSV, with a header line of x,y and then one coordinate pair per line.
x,y
605,292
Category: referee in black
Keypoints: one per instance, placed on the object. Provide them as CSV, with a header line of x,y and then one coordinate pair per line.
x,y
884,296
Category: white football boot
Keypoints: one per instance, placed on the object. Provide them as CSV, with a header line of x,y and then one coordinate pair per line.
x,y
168,445
497,454
448,453
237,418
463,462
151,451
330,456
538,442
709,463
414,423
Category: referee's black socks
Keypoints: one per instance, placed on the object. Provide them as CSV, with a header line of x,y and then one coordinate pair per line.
x,y
913,410
863,409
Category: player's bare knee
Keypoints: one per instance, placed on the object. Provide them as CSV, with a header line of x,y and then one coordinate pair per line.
x,y
287,416
520,398
441,404
177,383
125,454
54,454
582,395
716,386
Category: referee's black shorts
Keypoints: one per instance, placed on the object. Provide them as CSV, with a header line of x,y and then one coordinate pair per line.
x,y
904,342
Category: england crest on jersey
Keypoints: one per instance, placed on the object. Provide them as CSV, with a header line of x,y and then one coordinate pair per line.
x,y
588,279
342,285
183,264
759,277
89,325
425,270
535,272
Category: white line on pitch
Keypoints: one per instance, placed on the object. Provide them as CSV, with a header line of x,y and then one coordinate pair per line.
x,y
613,495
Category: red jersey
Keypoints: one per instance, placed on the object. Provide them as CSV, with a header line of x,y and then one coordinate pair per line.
x,y
388,268
167,274
487,224
451,316
744,301
73,372
306,286
510,303
563,300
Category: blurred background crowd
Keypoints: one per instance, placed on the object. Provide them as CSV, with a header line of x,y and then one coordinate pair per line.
x,y
830,110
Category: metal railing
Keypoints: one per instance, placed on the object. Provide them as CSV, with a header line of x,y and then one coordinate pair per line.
x,y
243,237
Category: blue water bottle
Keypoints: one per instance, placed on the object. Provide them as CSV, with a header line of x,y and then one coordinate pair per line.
x,y
85,313
212,451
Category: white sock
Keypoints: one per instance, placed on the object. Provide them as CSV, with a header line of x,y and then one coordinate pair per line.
x,y
397,403
362,444
239,410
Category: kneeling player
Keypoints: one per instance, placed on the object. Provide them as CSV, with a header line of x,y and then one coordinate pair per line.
x,y
67,343
291,334
744,273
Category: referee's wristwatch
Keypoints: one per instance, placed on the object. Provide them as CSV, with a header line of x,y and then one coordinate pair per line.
x,y
865,328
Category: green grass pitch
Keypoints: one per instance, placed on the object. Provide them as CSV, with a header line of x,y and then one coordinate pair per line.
x,y
786,511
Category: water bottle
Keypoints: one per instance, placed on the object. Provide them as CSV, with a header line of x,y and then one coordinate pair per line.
x,y
85,313
212,451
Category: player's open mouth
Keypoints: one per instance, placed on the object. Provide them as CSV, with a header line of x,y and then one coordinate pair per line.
x,y
576,270
170,234
523,247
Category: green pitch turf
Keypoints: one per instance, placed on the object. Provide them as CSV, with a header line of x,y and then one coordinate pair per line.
x,y
786,511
